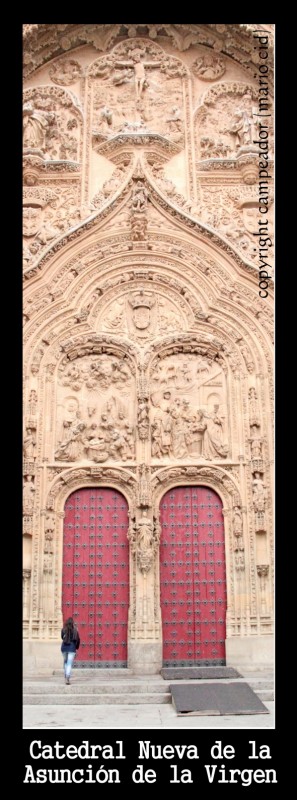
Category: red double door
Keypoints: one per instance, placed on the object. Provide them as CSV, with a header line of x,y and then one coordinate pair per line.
x,y
192,575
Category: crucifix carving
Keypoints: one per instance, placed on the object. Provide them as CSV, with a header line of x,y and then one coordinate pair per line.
x,y
139,66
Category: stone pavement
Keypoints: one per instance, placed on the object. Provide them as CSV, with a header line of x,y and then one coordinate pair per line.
x,y
51,710
141,716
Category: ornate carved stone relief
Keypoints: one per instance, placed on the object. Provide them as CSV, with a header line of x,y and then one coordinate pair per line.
x,y
141,314
254,416
234,212
133,91
65,71
122,243
209,67
28,495
108,189
47,215
52,121
237,526
48,550
189,412
43,41
226,103
166,186
95,416
144,538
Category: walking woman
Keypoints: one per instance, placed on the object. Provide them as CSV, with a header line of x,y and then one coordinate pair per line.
x,y
70,644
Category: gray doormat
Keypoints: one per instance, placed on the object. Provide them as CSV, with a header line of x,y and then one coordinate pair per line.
x,y
198,673
215,699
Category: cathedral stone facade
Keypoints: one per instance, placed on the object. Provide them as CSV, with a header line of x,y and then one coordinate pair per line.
x,y
148,356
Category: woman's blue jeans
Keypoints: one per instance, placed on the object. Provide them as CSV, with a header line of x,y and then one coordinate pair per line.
x,y
68,662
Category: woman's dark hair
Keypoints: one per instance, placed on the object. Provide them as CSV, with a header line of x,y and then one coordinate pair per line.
x,y
68,630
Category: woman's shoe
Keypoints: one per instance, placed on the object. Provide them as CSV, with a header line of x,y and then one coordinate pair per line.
x,y
68,681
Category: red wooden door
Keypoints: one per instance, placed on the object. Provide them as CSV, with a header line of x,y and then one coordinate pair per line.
x,y
96,574
193,577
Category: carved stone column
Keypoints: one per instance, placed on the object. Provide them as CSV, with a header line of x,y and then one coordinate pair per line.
x,y
26,593
144,651
48,571
262,572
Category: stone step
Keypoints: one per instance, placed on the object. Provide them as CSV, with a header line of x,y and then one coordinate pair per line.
x,y
265,695
129,691
71,698
112,674
123,687
42,687
95,688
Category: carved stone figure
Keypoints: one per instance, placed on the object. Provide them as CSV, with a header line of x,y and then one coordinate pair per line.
x,y
214,438
175,124
178,432
144,533
31,220
115,317
140,77
32,403
127,431
143,418
65,71
96,443
71,447
145,543
138,65
237,521
138,228
239,559
35,126
106,116
139,197
259,493
256,448
253,409
28,494
243,129
209,67
29,445
162,427
51,123
143,486
262,570
175,120
48,542
195,435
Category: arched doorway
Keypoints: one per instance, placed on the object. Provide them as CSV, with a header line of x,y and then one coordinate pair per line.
x,y
96,574
192,577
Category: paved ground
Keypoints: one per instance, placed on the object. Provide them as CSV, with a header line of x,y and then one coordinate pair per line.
x,y
141,716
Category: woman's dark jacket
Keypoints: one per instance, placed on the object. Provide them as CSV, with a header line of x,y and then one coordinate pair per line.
x,y
74,641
